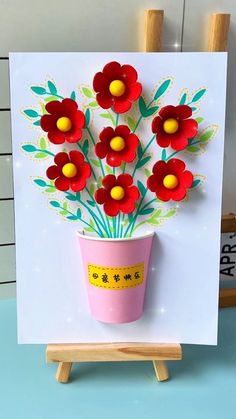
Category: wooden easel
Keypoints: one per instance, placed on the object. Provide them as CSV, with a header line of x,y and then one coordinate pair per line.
x,y
158,353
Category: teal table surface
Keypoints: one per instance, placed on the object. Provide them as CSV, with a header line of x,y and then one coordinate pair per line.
x,y
202,386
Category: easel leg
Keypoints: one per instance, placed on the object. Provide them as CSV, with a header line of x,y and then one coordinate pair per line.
x,y
161,370
63,371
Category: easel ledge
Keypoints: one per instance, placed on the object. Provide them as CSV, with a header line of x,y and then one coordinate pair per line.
x,y
66,354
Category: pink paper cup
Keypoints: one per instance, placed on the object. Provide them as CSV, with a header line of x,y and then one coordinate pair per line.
x,y
116,276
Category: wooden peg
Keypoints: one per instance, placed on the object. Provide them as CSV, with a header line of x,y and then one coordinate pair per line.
x,y
161,370
218,32
153,30
63,371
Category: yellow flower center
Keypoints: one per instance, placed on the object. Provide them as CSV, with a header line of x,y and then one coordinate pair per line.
x,y
69,170
117,193
117,88
170,181
170,126
64,124
117,143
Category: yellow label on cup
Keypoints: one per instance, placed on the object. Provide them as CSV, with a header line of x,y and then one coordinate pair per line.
x,y
116,277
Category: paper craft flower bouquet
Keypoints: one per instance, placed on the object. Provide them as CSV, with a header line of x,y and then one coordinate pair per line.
x,y
99,175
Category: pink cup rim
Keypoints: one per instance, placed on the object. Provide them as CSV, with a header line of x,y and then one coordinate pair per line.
x,y
112,239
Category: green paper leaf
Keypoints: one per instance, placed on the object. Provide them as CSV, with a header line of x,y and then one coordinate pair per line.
x,y
65,205
153,221
55,204
87,117
51,98
141,188
193,108
38,90
106,116
199,119
95,162
92,203
29,148
140,151
31,113
85,147
37,123
109,170
143,162
169,214
93,104
52,87
92,188
147,172
131,123
99,181
198,95
71,197
72,217
142,106
151,111
206,136
73,95
87,92
183,99
130,217
40,182
40,155
162,89
163,154
146,211
42,143
195,183
79,213
78,196
193,149
50,190
63,212
88,229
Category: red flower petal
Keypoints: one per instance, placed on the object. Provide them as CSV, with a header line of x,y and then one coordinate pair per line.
x,y
107,134
86,170
175,166
183,111
133,192
62,183
167,112
152,183
48,122
160,166
111,208
78,185
134,91
124,180
109,181
157,124
99,82
179,142
104,100
76,157
127,206
100,195
186,179
69,105
52,172
122,106
178,194
190,128
54,107
56,137
61,159
113,159
122,131
74,137
163,194
129,73
101,149
112,70
163,140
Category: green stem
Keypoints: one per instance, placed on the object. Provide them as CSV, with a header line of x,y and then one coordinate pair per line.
x,y
176,152
88,161
117,119
143,152
93,141
112,119
149,203
106,228
45,151
132,224
83,221
51,94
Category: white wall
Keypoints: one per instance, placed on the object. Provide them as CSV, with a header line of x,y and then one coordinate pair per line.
x,y
95,25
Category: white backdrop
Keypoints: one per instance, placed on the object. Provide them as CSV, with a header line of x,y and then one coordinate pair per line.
x,y
182,297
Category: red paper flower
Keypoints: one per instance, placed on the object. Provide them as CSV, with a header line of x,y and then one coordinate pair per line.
x,y
170,180
117,86
117,145
64,122
70,171
173,126
117,195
